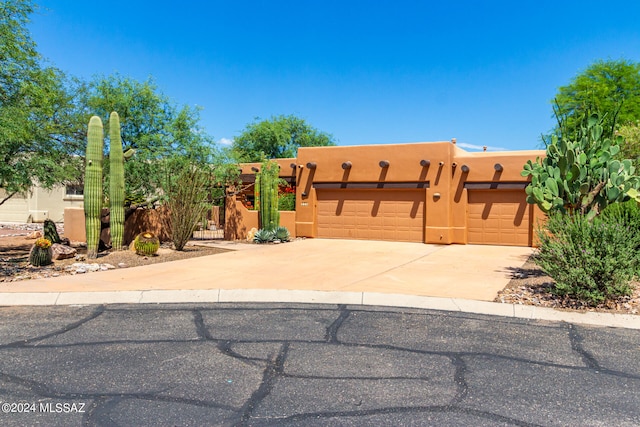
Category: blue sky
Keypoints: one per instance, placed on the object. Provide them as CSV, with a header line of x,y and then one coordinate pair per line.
x,y
368,72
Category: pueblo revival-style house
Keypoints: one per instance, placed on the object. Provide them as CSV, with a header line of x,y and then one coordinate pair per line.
x,y
421,192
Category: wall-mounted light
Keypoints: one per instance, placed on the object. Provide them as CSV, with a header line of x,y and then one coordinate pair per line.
x,y
304,194
498,167
464,169
255,169
346,165
424,163
312,165
436,196
384,163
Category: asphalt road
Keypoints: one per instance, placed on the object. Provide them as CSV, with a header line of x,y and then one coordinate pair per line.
x,y
259,364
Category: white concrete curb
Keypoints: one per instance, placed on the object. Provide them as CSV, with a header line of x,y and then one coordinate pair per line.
x,y
320,297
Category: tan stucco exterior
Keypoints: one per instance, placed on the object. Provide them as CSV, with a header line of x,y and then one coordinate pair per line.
x,y
37,205
434,178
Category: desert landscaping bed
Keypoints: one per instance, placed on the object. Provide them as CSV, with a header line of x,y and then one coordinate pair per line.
x,y
531,286
15,244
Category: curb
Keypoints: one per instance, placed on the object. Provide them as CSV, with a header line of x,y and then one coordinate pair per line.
x,y
627,321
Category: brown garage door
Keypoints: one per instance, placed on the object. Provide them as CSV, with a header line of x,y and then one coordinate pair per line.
x,y
396,215
499,217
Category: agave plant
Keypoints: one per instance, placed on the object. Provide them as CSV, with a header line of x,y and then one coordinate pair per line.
x,y
282,234
263,236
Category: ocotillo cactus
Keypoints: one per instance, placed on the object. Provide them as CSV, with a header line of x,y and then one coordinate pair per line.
x,y
93,185
116,182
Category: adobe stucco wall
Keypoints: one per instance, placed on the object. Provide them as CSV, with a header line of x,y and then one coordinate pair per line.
x,y
239,220
443,172
139,221
446,195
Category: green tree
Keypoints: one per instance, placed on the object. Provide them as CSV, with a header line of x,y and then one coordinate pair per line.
x,y
278,137
610,88
152,125
630,146
39,136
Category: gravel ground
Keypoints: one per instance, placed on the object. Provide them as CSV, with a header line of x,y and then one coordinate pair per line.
x,y
15,247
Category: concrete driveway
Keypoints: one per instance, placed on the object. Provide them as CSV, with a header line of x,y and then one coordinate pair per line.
x,y
351,266
454,278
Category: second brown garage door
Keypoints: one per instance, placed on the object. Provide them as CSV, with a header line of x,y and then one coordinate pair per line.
x,y
380,214
499,217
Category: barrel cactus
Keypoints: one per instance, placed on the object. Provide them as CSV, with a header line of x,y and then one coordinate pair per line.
x,y
146,243
116,182
51,232
41,253
93,185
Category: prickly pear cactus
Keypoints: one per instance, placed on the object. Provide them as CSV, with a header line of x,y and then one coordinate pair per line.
x,y
116,182
581,175
93,185
146,243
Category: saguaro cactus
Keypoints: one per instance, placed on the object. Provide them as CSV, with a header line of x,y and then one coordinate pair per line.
x,y
93,185
116,182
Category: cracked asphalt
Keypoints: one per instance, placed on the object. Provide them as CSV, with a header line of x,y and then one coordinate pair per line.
x,y
293,365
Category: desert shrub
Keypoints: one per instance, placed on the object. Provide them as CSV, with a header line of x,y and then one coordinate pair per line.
x,y
287,202
626,213
589,260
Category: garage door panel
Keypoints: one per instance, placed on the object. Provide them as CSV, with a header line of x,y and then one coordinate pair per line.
x,y
498,217
396,215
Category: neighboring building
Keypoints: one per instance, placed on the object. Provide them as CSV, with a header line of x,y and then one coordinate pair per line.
x,y
40,204
421,192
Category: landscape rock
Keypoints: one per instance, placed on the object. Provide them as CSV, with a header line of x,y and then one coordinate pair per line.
x,y
62,251
34,235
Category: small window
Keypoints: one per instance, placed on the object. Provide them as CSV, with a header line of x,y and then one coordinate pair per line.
x,y
74,190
